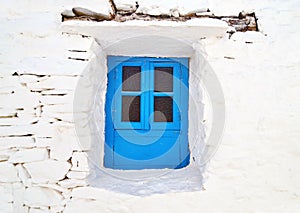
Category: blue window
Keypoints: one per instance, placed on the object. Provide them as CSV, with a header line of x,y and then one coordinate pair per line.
x,y
146,113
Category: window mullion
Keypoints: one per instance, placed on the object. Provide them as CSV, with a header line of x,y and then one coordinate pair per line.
x,y
145,93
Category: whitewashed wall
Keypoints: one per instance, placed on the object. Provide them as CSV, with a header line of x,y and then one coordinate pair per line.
x,y
44,169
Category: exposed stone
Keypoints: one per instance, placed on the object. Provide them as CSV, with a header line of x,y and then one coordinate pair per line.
x,y
47,171
194,12
39,196
8,173
29,155
79,11
126,8
68,14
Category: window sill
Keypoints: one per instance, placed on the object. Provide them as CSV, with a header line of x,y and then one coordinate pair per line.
x,y
147,182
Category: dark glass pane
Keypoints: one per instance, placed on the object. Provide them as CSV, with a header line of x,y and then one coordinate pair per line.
x,y
163,109
131,106
163,81
131,78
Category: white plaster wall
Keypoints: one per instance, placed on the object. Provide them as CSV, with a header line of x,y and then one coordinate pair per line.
x,y
43,168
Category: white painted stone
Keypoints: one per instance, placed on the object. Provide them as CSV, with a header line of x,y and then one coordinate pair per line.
x,y
6,207
86,55
109,33
23,175
93,193
127,5
43,129
233,8
54,82
6,191
5,154
8,173
57,99
63,145
77,175
20,142
58,66
57,208
62,108
4,157
7,90
59,92
54,187
27,116
39,196
65,117
87,193
249,36
9,81
91,206
47,171
72,183
25,79
80,162
39,210
28,99
25,209
15,131
7,111
29,155
66,135
43,142
18,193
61,151
18,121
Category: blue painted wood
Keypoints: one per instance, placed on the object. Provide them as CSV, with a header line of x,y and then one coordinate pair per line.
x,y
146,144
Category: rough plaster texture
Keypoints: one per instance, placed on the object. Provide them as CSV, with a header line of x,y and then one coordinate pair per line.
x,y
256,167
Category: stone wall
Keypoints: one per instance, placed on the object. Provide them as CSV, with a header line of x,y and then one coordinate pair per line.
x,y
43,168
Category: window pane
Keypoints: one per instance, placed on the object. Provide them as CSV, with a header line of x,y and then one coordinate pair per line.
x,y
131,106
131,78
163,81
163,109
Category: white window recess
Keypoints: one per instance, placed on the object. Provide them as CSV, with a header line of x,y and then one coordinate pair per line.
x,y
151,39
